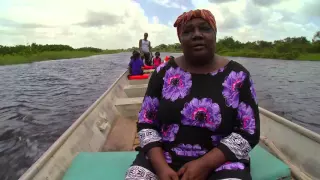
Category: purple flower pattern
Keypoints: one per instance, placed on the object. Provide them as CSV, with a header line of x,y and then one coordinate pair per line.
x,y
177,84
148,110
189,150
168,157
231,166
217,71
216,139
245,114
253,91
201,113
161,66
169,132
231,88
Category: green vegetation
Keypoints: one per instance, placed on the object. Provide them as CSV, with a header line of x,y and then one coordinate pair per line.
x,y
42,56
311,57
291,48
296,48
35,52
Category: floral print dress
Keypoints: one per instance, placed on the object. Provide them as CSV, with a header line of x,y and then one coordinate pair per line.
x,y
190,114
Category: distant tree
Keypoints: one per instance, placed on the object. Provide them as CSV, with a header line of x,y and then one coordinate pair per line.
x,y
316,37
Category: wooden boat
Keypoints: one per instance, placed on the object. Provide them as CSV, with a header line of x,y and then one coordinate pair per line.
x,y
100,143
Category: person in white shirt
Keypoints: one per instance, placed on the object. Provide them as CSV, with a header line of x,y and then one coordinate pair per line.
x,y
145,49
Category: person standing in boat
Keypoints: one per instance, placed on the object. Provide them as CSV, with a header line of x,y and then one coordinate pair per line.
x,y
145,49
199,118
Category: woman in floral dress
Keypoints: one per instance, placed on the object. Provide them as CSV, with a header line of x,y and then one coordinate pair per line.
x,y
199,119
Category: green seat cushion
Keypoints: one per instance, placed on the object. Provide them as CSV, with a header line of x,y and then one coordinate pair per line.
x,y
265,166
113,165
100,165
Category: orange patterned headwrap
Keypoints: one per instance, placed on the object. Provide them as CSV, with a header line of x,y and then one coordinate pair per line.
x,y
198,13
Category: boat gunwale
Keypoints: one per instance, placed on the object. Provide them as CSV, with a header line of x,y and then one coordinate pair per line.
x,y
293,126
31,172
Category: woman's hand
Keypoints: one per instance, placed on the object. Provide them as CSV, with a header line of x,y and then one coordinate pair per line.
x,y
195,170
163,170
166,173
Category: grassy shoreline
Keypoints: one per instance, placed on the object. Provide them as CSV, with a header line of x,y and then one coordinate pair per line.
x,y
290,48
309,57
48,55
276,56
54,55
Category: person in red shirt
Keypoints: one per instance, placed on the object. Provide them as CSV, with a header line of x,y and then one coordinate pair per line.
x,y
157,60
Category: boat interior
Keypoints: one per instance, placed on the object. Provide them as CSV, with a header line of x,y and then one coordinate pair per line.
x,y
101,143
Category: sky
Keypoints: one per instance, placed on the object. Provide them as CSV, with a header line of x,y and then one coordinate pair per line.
x,y
112,24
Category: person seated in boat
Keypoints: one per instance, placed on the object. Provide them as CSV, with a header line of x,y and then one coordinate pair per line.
x,y
136,64
171,58
156,60
199,118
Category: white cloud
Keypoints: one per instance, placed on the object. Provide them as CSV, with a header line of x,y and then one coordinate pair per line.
x,y
248,20
171,4
120,24
81,23
155,19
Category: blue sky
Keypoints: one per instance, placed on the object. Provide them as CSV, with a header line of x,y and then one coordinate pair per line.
x,y
165,13
121,23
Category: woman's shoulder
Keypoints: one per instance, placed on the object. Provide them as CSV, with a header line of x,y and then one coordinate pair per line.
x,y
163,67
237,67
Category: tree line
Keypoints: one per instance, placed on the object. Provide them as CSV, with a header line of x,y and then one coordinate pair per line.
x,y
288,48
38,48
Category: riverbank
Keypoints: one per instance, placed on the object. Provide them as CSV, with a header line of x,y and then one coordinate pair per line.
x,y
54,55
49,55
290,48
310,57
274,55
279,56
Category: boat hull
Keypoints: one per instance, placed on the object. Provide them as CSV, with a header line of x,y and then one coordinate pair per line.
x,y
101,128
300,146
87,134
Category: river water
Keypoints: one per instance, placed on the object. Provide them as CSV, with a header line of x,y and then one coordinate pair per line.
x,y
39,101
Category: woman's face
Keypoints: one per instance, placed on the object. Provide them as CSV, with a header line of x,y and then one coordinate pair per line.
x,y
198,39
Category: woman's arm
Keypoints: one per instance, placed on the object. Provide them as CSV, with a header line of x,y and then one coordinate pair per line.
x,y
150,49
245,137
148,125
140,46
129,66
